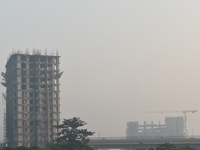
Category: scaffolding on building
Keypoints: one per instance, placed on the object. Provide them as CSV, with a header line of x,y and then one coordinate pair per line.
x,y
4,119
32,109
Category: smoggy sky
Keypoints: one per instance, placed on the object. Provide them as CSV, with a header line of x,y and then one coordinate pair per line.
x,y
119,57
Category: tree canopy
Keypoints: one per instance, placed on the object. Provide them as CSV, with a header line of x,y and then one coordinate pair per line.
x,y
71,136
171,147
21,148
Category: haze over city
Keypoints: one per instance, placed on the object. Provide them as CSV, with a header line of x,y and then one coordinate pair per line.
x,y
119,58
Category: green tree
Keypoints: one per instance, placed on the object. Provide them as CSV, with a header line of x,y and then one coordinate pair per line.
x,y
187,148
7,148
170,147
71,137
27,148
21,148
164,147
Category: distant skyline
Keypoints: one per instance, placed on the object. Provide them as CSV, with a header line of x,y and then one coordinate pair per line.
x,y
119,58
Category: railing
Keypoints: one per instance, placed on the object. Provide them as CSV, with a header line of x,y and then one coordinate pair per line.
x,y
143,141
146,137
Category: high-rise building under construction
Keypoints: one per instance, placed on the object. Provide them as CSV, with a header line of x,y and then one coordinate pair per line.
x,y
32,99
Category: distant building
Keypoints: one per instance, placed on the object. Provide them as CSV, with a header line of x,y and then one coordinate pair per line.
x,y
32,99
174,126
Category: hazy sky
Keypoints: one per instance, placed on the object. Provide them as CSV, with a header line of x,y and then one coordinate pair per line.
x,y
119,57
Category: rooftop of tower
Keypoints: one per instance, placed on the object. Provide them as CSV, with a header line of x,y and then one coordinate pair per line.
x,y
34,52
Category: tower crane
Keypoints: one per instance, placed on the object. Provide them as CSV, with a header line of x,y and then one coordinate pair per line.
x,y
176,111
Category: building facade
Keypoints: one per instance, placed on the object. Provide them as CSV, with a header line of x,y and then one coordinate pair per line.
x,y
174,126
32,99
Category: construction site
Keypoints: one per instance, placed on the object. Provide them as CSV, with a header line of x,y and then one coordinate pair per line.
x,y
173,126
32,99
